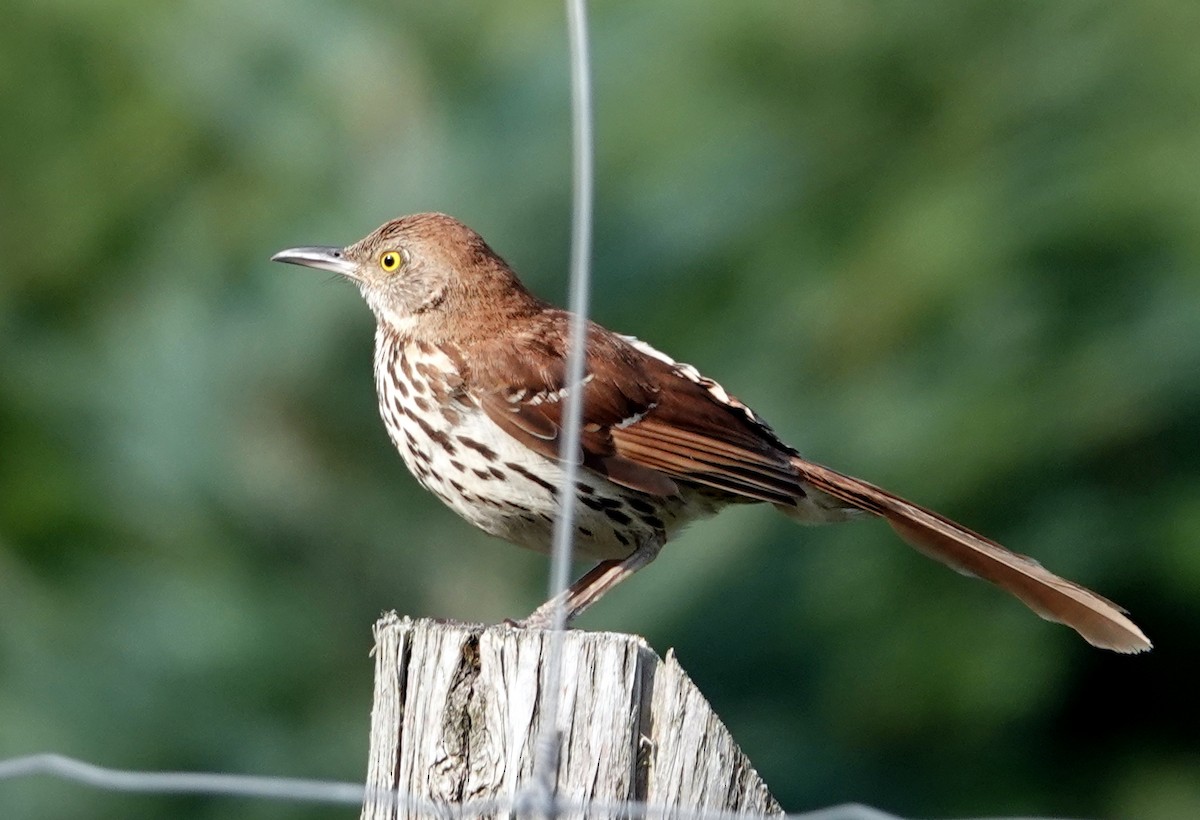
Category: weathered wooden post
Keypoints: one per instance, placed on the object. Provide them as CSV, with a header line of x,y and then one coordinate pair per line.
x,y
456,719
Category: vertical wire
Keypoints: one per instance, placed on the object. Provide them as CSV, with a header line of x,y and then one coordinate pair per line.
x,y
546,761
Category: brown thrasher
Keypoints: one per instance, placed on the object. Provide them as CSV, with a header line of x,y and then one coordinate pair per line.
x,y
470,371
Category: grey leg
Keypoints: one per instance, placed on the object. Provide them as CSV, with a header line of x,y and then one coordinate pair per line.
x,y
592,586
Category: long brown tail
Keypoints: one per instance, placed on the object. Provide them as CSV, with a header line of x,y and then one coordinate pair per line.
x,y
1101,622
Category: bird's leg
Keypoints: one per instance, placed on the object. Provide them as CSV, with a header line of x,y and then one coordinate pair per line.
x,y
592,586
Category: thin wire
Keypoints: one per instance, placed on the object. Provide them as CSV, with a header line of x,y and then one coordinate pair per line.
x,y
332,791
581,252
546,761
234,785
340,792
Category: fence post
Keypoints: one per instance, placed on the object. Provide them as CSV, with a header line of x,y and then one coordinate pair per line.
x,y
455,719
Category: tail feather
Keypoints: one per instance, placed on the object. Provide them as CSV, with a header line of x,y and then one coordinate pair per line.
x,y
1101,622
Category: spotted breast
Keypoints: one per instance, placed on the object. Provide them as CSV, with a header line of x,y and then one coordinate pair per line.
x,y
457,452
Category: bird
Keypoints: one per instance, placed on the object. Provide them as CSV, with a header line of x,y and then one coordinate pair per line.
x,y
471,378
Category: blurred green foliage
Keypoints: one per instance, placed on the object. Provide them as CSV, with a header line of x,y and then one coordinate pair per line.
x,y
952,248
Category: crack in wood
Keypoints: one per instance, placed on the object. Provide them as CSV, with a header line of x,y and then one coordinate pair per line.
x,y
463,711
403,662
644,748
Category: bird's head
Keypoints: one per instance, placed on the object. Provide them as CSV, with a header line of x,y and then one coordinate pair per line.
x,y
427,267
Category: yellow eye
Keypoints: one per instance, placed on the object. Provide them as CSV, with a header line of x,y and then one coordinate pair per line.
x,y
391,260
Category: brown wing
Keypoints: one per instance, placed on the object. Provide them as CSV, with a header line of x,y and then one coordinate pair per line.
x,y
649,422
646,423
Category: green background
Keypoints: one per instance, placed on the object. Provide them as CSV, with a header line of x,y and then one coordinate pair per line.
x,y
953,248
